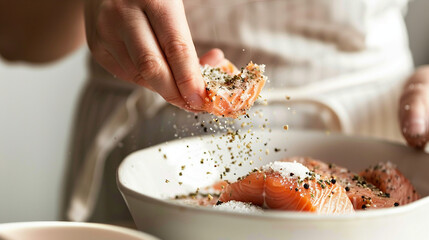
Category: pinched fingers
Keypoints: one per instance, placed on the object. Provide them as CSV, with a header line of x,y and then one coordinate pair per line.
x,y
146,55
169,24
147,42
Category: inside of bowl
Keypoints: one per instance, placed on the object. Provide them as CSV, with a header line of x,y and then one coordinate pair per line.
x,y
182,166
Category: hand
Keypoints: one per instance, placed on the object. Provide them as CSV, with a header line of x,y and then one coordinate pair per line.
x,y
147,42
215,58
414,108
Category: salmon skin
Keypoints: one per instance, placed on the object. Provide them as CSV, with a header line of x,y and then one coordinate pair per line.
x,y
271,188
230,93
390,180
368,190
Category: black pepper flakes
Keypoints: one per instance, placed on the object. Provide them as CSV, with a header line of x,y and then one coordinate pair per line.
x,y
347,188
306,186
396,204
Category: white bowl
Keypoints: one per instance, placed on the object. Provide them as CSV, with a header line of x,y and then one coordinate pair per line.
x,y
68,231
142,175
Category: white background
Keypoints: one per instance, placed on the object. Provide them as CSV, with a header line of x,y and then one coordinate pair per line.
x,y
36,113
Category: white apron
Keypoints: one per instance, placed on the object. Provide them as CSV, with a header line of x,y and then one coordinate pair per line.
x,y
341,62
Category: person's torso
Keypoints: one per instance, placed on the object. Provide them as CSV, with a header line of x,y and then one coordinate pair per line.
x,y
327,55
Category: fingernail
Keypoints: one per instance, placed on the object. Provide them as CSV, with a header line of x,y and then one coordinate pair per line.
x,y
195,101
417,127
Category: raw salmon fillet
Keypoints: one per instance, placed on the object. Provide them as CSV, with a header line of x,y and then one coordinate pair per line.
x,y
272,188
205,197
231,92
390,180
362,192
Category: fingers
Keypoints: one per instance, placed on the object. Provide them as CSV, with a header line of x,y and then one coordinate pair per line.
x,y
170,26
119,53
106,60
147,42
145,53
413,121
216,58
212,58
414,106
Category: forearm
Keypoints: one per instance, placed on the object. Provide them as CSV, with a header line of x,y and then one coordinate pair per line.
x,y
40,31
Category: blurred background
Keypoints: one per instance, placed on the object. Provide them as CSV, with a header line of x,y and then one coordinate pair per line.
x,y
36,114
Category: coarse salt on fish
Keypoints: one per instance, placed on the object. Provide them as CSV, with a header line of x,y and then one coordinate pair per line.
x,y
288,169
236,206
230,93
272,188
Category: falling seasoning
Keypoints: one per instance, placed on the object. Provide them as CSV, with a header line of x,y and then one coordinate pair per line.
x,y
209,197
286,127
167,181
